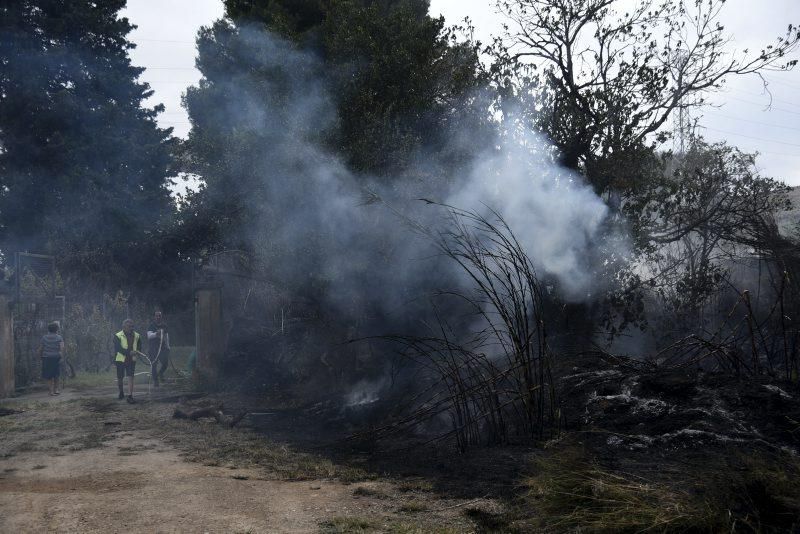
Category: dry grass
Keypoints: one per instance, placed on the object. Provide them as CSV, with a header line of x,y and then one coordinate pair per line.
x,y
347,525
80,424
413,507
364,491
213,444
415,485
353,525
410,528
570,492
728,491
55,427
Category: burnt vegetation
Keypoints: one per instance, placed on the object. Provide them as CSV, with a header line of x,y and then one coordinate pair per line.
x,y
427,241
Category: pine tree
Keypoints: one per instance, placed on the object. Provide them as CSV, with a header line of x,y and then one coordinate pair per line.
x,y
84,167
398,86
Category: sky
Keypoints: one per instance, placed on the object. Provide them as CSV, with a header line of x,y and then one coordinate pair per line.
x,y
741,114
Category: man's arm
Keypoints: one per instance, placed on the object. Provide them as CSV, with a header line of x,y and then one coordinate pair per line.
x,y
152,331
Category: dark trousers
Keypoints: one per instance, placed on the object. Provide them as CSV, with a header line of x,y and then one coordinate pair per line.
x,y
123,369
162,361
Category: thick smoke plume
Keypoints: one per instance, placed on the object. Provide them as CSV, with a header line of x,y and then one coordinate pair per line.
x,y
557,218
310,216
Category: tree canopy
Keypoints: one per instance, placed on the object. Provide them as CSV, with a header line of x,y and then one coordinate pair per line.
x,y
85,169
601,78
386,101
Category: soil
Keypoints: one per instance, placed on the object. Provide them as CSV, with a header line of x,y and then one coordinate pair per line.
x,y
85,462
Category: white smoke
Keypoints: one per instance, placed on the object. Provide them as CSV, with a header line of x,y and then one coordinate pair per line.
x,y
557,218
310,214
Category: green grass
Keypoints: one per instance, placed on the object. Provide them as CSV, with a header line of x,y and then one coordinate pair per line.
x,y
85,380
180,357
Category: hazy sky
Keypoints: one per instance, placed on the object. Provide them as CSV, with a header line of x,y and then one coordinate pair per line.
x,y
167,29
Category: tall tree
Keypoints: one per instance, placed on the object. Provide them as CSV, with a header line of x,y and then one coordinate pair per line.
x,y
607,75
387,100
84,166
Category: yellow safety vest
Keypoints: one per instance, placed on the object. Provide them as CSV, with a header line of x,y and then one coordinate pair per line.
x,y
123,341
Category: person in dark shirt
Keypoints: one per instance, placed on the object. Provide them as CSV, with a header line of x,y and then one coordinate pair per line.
x,y
158,345
51,350
127,343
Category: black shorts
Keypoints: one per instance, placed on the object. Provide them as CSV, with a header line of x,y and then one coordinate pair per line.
x,y
50,368
125,369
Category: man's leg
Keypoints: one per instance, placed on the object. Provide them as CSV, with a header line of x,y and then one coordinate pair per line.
x,y
154,371
131,373
164,363
120,375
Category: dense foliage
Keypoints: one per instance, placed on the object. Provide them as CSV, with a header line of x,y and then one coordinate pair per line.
x,y
388,102
84,166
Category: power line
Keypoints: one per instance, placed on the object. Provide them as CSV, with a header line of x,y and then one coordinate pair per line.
x,y
763,94
781,82
779,154
762,105
752,137
752,121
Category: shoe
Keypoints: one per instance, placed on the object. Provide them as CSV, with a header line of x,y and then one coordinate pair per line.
x,y
130,400
121,396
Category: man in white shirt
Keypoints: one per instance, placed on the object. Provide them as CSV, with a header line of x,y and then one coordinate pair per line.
x,y
158,346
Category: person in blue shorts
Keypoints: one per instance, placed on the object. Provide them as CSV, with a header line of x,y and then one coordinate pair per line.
x,y
51,350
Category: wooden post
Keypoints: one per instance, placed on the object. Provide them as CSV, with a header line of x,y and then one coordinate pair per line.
x,y
209,333
7,383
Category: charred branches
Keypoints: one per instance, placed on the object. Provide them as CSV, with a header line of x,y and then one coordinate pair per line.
x,y
496,380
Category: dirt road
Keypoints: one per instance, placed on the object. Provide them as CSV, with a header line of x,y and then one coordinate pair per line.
x,y
85,462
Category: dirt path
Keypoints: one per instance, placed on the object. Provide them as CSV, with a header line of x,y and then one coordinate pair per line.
x,y
83,463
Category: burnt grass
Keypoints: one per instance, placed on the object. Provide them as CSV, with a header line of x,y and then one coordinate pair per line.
x,y
664,452
667,451
671,451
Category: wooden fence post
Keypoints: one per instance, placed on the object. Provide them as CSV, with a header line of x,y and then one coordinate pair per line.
x,y
7,383
209,333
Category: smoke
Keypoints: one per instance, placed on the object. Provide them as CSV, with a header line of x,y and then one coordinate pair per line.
x,y
339,239
558,219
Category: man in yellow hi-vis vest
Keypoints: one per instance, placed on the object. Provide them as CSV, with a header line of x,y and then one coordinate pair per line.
x,y
126,344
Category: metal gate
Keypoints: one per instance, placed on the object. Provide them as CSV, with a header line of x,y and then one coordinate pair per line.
x,y
37,305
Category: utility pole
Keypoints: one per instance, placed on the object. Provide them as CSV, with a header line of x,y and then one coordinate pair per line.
x,y
681,127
